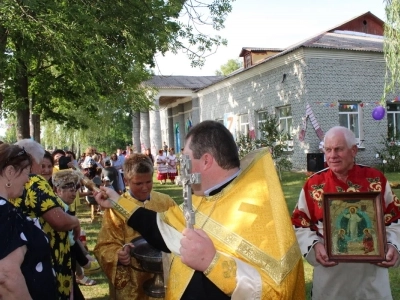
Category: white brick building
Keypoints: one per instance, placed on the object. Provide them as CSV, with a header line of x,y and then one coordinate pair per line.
x,y
339,73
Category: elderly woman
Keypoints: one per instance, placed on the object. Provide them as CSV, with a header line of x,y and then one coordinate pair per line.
x,y
47,173
67,184
39,202
25,257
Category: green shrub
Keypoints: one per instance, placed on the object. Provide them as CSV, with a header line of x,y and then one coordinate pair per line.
x,y
278,141
389,155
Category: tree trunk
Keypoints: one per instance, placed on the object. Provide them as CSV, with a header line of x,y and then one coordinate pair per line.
x,y
3,61
73,137
35,127
23,124
21,92
22,96
34,121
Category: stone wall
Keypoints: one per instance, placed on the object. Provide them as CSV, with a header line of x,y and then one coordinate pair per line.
x,y
331,80
317,78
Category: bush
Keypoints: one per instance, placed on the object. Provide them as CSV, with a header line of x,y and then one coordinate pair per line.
x,y
273,138
389,156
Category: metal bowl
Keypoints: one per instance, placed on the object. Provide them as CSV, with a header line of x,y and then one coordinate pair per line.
x,y
149,258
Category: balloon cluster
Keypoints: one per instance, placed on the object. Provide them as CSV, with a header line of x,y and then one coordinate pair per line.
x,y
378,113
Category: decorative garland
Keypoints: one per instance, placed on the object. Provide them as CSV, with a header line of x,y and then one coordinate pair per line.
x,y
314,122
378,113
336,103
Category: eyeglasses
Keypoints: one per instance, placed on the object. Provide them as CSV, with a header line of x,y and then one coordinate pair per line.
x,y
20,153
72,187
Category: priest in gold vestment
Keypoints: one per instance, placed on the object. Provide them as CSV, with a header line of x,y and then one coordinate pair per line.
x,y
125,282
243,245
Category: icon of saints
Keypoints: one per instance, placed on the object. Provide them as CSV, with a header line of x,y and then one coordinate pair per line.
x,y
342,241
368,241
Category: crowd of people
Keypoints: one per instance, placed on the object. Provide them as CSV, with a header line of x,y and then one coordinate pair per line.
x,y
44,257
244,244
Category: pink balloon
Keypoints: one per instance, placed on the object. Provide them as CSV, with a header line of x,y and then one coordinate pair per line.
x,y
378,113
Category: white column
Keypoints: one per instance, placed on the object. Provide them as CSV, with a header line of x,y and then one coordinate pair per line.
x,y
170,137
155,128
144,131
136,131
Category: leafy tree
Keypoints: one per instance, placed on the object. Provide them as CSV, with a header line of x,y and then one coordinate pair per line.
x,y
231,66
246,144
11,132
114,131
391,47
60,56
273,138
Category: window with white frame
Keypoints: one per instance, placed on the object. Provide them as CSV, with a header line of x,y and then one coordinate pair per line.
x,y
244,124
261,118
350,117
285,120
393,117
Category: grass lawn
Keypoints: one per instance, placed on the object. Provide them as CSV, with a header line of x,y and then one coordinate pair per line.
x,y
291,185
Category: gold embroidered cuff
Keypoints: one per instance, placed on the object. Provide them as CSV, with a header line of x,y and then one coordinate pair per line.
x,y
124,207
212,264
222,272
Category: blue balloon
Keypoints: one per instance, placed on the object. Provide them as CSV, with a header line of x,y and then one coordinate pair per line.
x,y
378,113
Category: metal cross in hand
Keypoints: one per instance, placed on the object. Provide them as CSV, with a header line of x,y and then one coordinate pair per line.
x,y
187,179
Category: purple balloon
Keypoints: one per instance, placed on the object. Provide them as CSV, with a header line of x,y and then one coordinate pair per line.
x,y
378,113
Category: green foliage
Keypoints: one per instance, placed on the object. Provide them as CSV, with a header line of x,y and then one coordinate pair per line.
x,y
246,144
231,66
389,156
60,57
190,39
114,131
273,138
391,47
11,131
